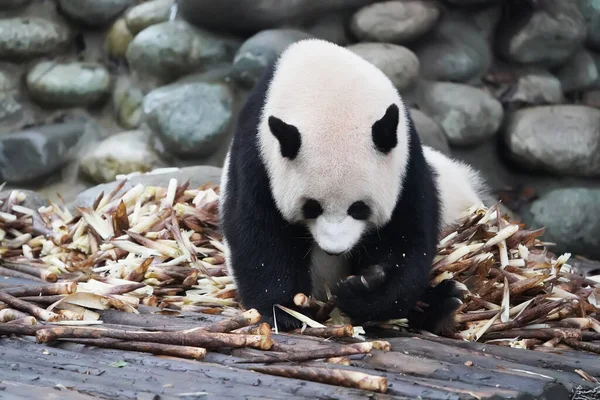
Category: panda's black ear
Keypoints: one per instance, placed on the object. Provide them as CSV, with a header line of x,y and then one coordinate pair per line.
x,y
287,135
384,130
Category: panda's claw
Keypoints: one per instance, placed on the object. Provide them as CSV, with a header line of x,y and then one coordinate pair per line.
x,y
443,300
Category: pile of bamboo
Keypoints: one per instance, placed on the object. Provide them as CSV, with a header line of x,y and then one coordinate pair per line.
x,y
158,247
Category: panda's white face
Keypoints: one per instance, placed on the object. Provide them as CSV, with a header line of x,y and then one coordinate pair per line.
x,y
333,137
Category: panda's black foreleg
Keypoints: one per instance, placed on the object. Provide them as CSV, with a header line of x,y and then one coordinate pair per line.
x,y
436,312
387,287
270,263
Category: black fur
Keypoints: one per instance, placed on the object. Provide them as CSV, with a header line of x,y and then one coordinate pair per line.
x,y
270,256
384,130
288,137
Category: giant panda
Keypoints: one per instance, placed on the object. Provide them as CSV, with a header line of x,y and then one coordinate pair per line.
x,y
326,186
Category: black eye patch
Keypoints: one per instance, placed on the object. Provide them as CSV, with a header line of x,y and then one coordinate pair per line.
x,y
359,210
312,209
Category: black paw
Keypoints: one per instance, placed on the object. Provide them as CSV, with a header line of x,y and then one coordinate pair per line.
x,y
440,303
364,297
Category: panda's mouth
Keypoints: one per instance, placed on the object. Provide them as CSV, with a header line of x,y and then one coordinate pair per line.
x,y
338,236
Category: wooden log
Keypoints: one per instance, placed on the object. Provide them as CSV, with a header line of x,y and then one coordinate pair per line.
x,y
88,370
462,351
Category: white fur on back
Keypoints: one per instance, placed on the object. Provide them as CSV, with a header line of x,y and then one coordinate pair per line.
x,y
459,185
333,97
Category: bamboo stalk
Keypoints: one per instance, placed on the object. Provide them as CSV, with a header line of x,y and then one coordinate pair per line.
x,y
247,318
314,354
329,331
29,308
196,353
339,377
44,290
32,270
196,337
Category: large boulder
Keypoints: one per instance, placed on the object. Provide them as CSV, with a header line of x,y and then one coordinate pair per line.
x,y
562,140
248,17
396,22
569,216
467,114
398,63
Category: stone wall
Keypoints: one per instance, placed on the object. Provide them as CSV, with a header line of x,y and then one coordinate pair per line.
x,y
90,89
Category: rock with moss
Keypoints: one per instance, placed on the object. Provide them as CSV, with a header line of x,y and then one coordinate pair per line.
x,y
30,37
120,154
68,84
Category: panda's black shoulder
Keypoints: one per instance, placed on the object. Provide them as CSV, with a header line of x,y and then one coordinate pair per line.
x,y
420,197
244,157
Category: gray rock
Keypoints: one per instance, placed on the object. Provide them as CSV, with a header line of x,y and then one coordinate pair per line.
x,y
33,200
548,37
259,50
467,114
473,2
596,58
591,12
330,27
172,49
398,22
37,152
127,103
68,85
455,51
563,140
123,153
9,103
197,175
190,118
591,98
257,15
537,88
397,62
13,4
529,86
569,216
94,12
430,132
146,14
118,39
579,73
24,38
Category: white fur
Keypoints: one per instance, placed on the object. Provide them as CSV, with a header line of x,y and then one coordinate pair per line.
x,y
459,185
333,97
222,193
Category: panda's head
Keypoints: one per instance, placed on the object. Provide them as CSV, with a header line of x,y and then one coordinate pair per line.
x,y
333,135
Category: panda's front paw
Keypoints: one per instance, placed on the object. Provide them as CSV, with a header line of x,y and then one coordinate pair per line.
x,y
372,278
441,302
361,297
